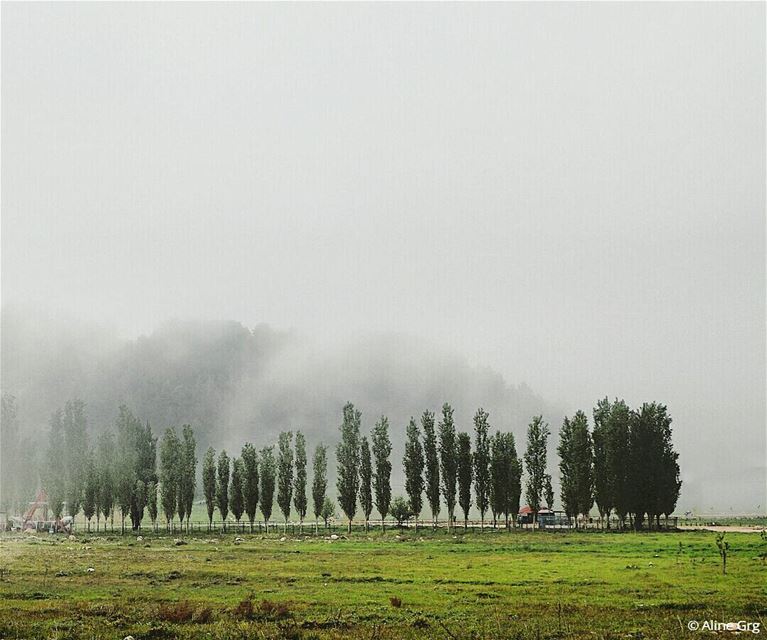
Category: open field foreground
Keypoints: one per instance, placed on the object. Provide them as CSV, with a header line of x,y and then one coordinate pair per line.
x,y
430,585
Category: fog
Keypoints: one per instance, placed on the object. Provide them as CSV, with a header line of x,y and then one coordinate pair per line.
x,y
521,206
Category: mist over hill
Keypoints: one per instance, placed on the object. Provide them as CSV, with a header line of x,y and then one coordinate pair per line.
x,y
235,384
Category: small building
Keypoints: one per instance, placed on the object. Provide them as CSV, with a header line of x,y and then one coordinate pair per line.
x,y
526,515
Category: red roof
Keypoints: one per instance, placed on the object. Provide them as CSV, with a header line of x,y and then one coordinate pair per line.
x,y
525,510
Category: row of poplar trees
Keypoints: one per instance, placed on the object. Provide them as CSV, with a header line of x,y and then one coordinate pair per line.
x,y
625,465
117,471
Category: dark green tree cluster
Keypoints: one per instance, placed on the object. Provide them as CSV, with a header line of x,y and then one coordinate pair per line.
x,y
627,465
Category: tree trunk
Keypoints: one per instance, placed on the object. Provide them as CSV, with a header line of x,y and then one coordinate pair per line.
x,y
349,528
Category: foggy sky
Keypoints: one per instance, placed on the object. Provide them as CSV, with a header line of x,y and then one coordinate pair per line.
x,y
572,194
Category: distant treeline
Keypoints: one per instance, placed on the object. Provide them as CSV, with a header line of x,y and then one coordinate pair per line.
x,y
625,464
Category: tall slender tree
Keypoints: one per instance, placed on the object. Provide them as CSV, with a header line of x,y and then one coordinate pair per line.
x,y
604,491
249,458
188,474
299,488
209,483
319,480
170,471
151,503
236,501
53,474
222,486
515,479
268,479
90,489
106,482
576,466
499,475
465,474
548,492
448,460
285,473
348,462
382,468
481,463
535,462
431,455
75,454
413,463
366,480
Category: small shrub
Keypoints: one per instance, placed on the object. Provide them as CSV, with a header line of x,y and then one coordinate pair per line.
x,y
178,612
244,610
395,602
275,610
204,616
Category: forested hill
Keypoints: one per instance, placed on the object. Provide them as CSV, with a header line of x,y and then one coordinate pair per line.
x,y
234,384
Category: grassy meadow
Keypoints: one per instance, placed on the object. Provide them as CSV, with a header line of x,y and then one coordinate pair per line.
x,y
393,585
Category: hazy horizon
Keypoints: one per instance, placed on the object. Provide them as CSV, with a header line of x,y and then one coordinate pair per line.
x,y
570,195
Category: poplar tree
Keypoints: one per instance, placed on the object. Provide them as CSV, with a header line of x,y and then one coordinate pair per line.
x,y
515,479
413,462
250,496
151,502
285,473
75,454
299,488
604,489
170,467
431,456
448,460
106,483
222,486
236,502
382,469
481,463
188,474
267,476
499,475
366,480
90,490
53,473
348,462
209,482
548,492
319,479
576,466
535,462
465,474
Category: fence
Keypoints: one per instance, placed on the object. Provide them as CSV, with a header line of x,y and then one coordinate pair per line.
x,y
560,523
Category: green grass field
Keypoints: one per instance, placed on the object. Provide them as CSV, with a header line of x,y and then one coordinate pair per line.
x,y
430,585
